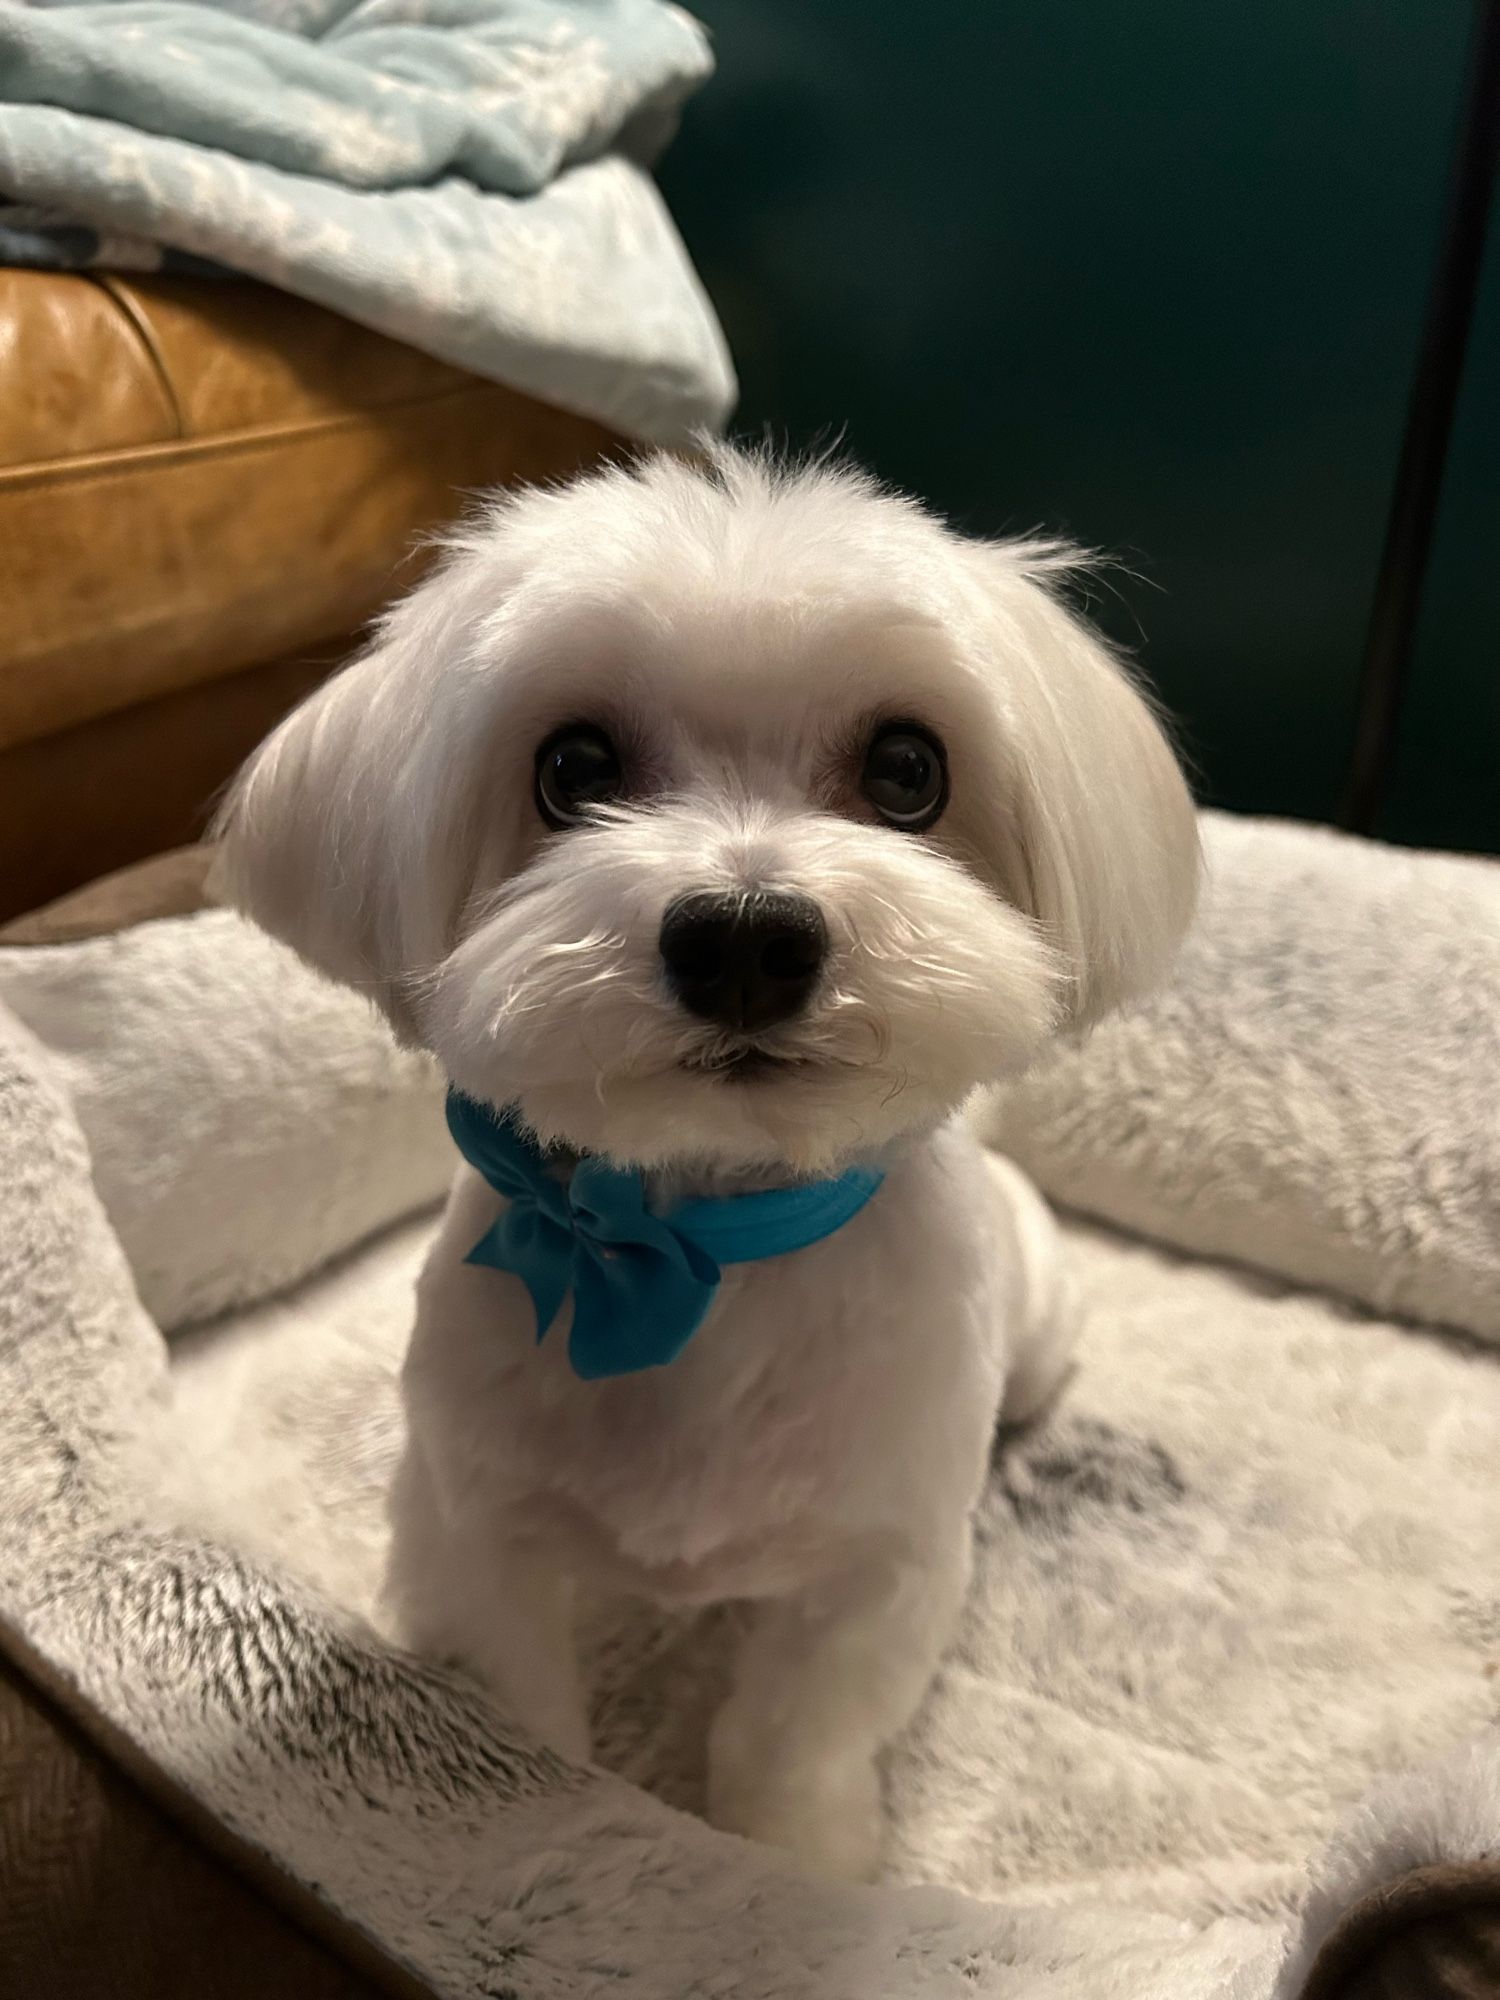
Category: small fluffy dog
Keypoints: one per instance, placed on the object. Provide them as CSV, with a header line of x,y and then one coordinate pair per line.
x,y
729,823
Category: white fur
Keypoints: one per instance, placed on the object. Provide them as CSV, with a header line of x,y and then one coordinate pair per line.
x,y
821,1444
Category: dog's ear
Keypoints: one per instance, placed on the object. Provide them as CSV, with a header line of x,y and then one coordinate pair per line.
x,y
1099,841
347,834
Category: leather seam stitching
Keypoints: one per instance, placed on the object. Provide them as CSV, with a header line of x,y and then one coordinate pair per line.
x,y
227,443
130,310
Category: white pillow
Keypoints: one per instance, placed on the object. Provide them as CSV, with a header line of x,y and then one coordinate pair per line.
x,y
247,1120
1318,1090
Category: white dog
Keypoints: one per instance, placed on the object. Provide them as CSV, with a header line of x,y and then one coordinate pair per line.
x,y
723,827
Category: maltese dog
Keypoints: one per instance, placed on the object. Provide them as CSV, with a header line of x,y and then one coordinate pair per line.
x,y
720,827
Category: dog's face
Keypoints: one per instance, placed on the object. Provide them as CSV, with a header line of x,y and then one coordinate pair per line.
x,y
732,817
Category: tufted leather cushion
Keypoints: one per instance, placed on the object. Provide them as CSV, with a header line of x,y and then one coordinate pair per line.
x,y
206,489
196,476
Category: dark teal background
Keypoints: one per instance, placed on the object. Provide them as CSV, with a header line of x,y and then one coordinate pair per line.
x,y
1152,272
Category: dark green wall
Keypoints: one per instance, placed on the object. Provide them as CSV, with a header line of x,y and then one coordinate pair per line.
x,y
1151,271
1446,789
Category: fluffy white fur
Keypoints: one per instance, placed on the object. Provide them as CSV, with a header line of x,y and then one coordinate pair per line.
x,y
820,1446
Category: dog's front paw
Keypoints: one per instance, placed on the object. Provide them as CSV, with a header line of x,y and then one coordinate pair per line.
x,y
828,1816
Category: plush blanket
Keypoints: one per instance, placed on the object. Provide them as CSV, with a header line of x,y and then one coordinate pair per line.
x,y
1315,1092
1243,1575
466,175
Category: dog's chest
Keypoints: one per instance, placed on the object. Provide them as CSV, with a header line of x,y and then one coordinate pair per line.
x,y
728,1471
825,1396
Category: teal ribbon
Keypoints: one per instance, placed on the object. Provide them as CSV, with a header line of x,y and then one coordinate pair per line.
x,y
641,1284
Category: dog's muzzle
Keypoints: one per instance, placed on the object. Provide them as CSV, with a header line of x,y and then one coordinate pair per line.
x,y
743,959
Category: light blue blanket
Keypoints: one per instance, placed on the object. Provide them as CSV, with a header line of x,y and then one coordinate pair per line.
x,y
466,175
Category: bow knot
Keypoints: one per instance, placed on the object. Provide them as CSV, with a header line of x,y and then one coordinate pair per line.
x,y
641,1284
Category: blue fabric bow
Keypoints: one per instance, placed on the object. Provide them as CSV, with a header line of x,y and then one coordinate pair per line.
x,y
641,1283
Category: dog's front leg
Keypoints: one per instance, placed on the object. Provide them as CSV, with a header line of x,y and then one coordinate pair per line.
x,y
825,1681
502,1606
524,1647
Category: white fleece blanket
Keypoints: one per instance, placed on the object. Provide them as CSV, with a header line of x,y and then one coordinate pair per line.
x,y
1244,1573
1315,1093
1248,1568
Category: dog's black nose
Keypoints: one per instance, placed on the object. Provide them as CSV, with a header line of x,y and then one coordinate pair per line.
x,y
745,959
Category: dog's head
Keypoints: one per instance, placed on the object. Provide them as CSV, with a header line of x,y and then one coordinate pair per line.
x,y
730,815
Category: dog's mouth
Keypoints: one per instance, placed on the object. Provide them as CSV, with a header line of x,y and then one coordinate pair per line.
x,y
744,1065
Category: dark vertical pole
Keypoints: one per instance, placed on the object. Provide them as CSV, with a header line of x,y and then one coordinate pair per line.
x,y
1386,663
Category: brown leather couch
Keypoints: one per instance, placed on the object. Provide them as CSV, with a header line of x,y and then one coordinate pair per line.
x,y
206,489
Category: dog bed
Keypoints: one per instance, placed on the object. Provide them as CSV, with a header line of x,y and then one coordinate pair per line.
x,y
1227,1686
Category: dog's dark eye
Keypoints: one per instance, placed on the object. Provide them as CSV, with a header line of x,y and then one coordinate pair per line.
x,y
905,776
576,768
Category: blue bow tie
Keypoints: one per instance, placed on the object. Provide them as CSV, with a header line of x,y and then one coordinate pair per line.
x,y
641,1283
